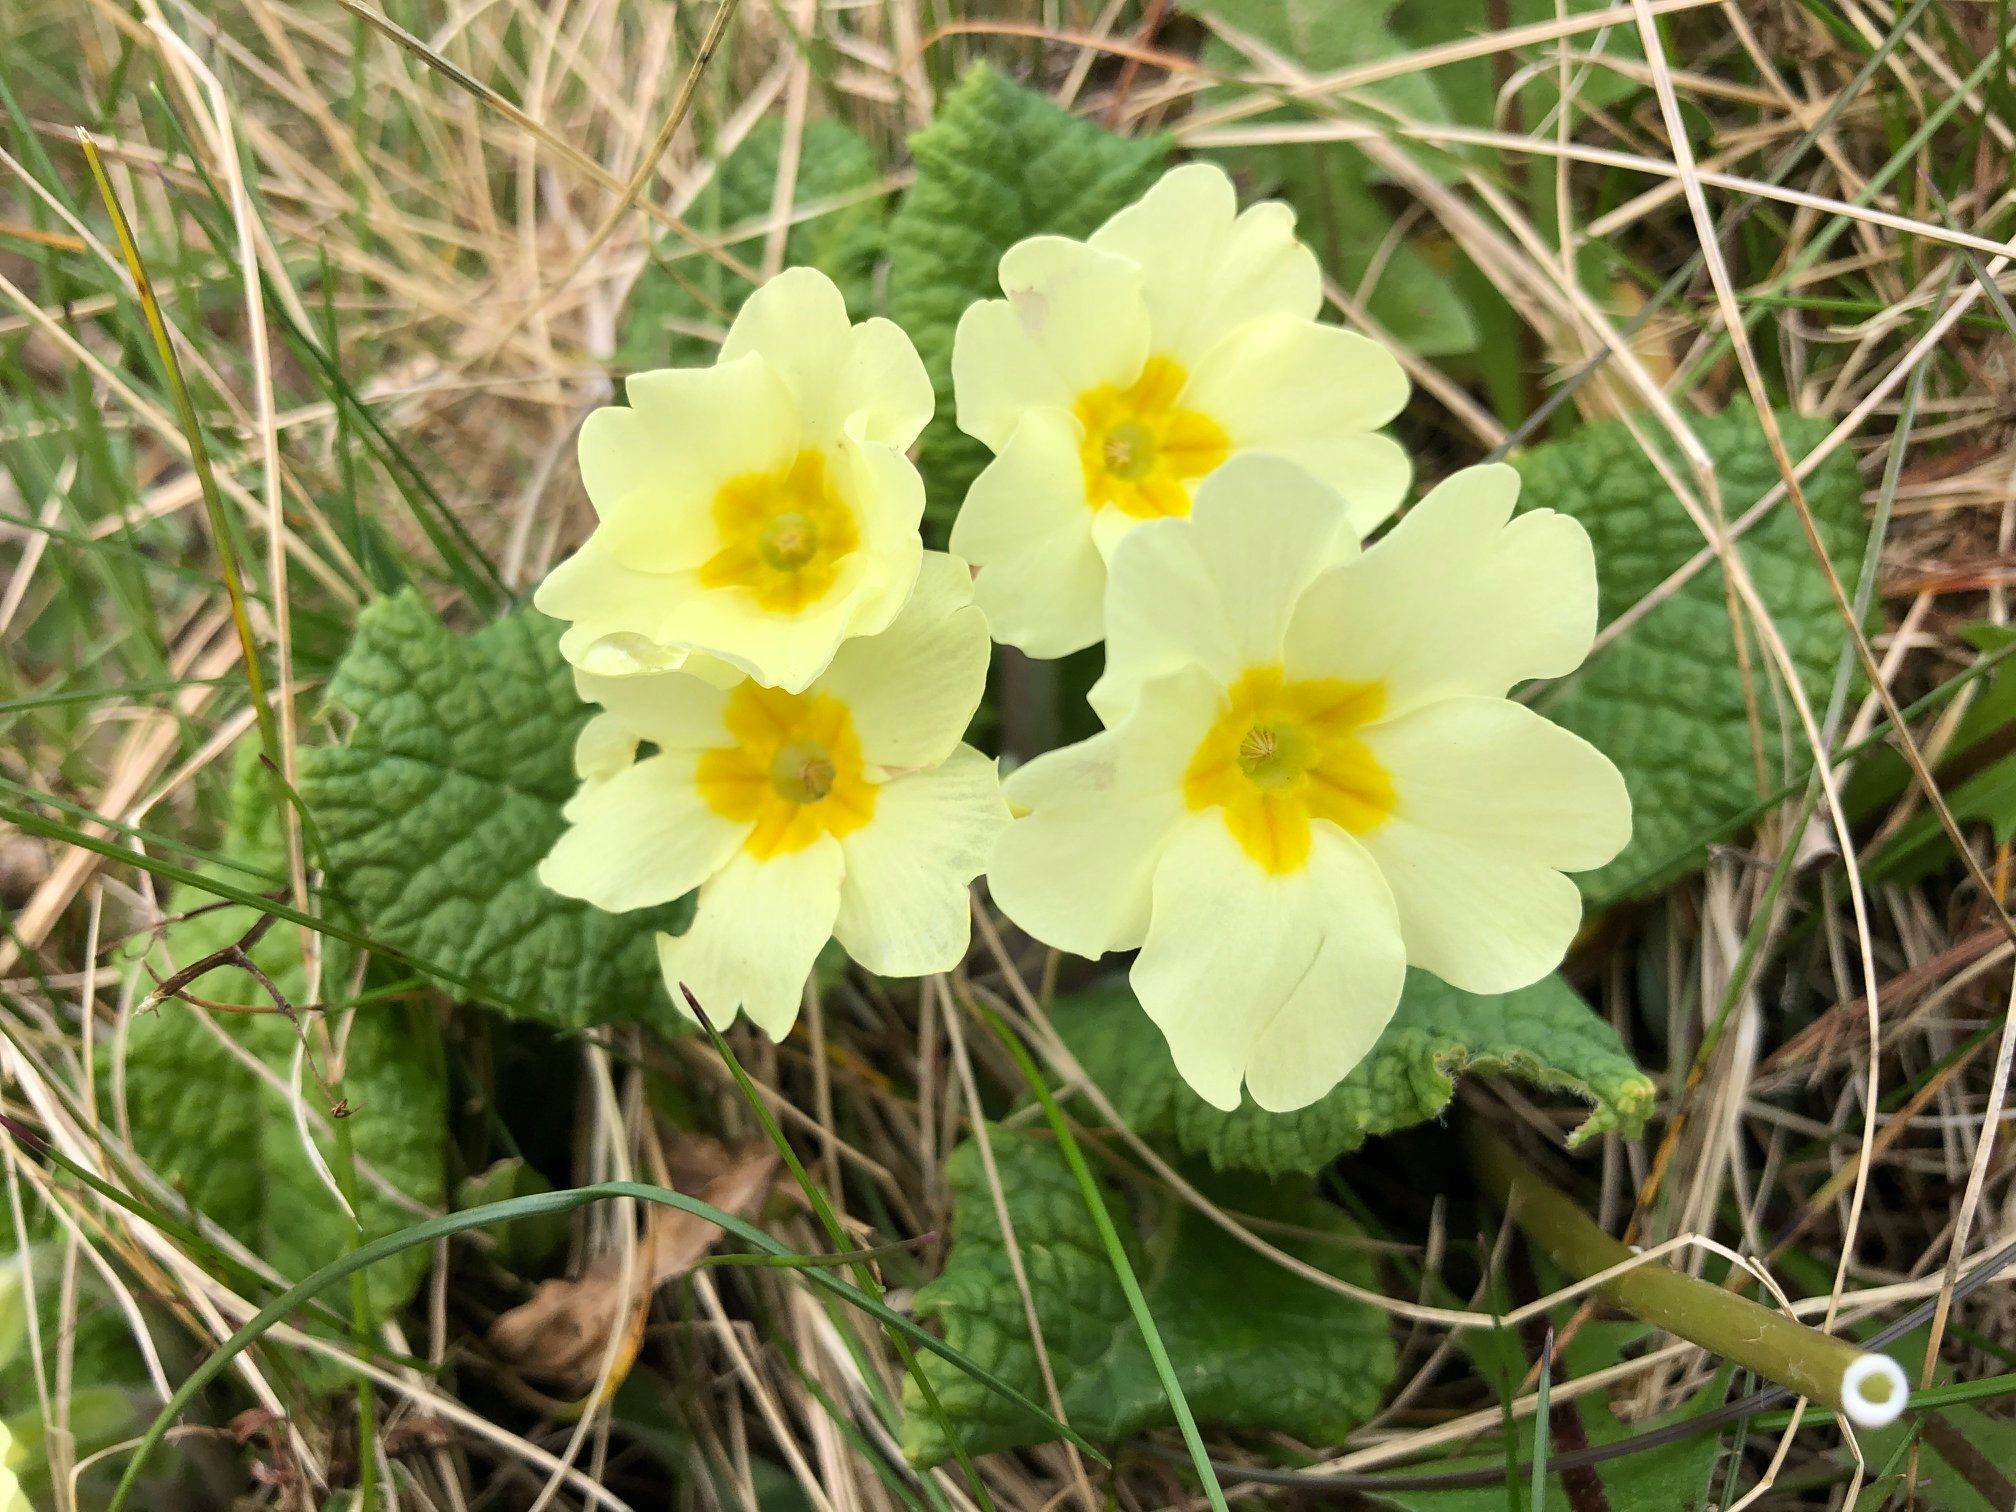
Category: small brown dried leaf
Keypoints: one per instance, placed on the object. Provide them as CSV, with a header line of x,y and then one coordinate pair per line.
x,y
563,1331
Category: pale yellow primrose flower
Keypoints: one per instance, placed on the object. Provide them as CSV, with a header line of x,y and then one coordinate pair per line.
x,y
758,511
1312,778
1119,372
848,810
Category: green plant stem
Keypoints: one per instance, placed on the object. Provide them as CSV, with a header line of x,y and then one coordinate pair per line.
x,y
1960,1394
1770,1344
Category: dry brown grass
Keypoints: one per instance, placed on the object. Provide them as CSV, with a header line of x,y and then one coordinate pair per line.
x,y
487,183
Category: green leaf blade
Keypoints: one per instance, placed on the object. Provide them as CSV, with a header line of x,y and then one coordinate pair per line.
x,y
205,1118
1666,700
1544,1034
1254,1347
438,811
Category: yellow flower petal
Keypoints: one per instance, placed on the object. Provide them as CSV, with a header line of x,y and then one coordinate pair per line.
x,y
616,616
788,649
1507,780
1313,778
1076,871
793,771
653,471
765,800
1278,381
756,512
675,711
1073,319
641,837
1179,337
1217,591
904,909
1370,473
866,381
1234,267
785,535
605,746
756,931
1481,922
913,687
12,1497
1282,982
1026,525
1284,758
1140,448
1454,600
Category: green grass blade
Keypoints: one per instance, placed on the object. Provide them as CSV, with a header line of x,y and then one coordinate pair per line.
x,y
831,1222
1116,1255
534,1205
199,454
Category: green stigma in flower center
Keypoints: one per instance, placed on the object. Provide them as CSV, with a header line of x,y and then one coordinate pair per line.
x,y
802,772
1274,755
789,541
1129,450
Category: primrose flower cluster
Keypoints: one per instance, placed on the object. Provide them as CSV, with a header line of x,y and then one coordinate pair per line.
x,y
1310,774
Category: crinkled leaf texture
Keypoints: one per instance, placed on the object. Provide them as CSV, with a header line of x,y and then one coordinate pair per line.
x,y
1544,1034
834,164
1666,700
999,163
1253,1346
207,1121
437,811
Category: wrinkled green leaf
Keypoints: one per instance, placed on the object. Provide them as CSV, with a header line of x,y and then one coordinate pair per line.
x,y
205,1119
109,1395
1543,1034
1320,36
101,1345
843,243
1254,1346
999,163
437,811
1666,701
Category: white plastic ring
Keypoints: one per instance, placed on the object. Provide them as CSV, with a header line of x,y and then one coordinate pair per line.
x,y
1873,1391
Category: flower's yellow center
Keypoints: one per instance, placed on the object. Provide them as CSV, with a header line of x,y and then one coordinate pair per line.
x,y
1282,755
784,535
795,770
1142,450
802,772
789,541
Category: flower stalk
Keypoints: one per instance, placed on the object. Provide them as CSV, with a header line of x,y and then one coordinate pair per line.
x,y
1869,1390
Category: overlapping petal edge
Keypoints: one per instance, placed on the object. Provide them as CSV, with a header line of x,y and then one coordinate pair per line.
x,y
850,810
1120,371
